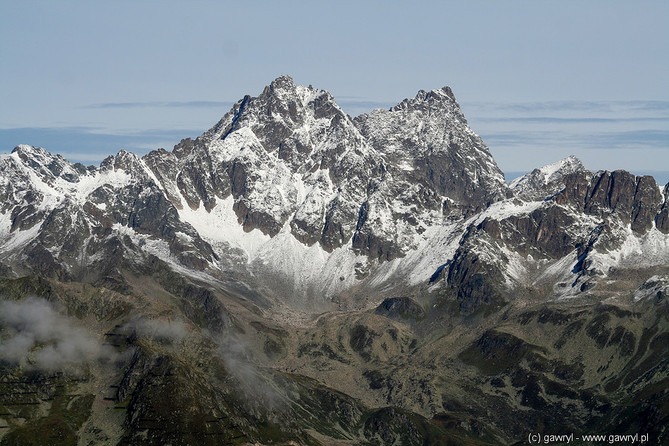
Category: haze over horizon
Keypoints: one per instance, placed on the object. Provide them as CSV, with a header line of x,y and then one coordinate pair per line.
x,y
537,82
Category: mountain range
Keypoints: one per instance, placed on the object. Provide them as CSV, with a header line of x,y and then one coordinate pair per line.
x,y
298,276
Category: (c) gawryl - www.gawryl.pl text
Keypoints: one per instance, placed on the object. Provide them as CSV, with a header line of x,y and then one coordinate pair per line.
x,y
538,438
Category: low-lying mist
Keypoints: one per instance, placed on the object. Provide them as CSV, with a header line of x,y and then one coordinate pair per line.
x,y
36,336
158,329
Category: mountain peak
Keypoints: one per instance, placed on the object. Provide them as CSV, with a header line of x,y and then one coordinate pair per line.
x,y
285,91
26,149
558,169
442,98
283,83
442,94
47,165
278,112
537,180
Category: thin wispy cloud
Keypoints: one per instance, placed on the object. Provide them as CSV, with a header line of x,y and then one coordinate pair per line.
x,y
605,134
360,103
92,144
568,106
649,105
658,139
352,105
357,105
585,120
629,140
161,104
38,336
158,329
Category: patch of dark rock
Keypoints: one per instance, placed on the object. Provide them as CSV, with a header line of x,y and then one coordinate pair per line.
x,y
559,390
497,382
553,317
617,311
568,333
531,394
272,348
624,339
438,272
316,350
626,376
569,372
537,362
520,377
496,352
203,307
376,379
474,282
332,354
598,330
401,308
526,317
368,243
361,340
657,354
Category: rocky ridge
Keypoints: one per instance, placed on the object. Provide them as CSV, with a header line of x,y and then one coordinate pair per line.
x,y
339,197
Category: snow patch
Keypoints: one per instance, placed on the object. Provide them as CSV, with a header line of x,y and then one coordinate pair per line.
x,y
308,268
547,174
438,245
508,208
18,239
221,226
655,286
636,251
80,190
515,271
5,224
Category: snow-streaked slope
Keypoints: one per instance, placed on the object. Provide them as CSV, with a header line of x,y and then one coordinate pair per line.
x,y
320,205
546,180
567,237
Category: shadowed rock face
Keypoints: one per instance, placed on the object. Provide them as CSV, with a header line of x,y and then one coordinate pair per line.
x,y
635,200
427,141
662,219
591,225
400,308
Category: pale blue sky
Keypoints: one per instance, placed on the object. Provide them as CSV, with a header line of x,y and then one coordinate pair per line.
x,y
538,80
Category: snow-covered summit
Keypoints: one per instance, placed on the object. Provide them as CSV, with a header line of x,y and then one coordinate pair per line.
x,y
296,171
442,97
549,176
47,165
428,139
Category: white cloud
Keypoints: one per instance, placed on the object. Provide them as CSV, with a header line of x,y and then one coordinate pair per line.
x,y
37,336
